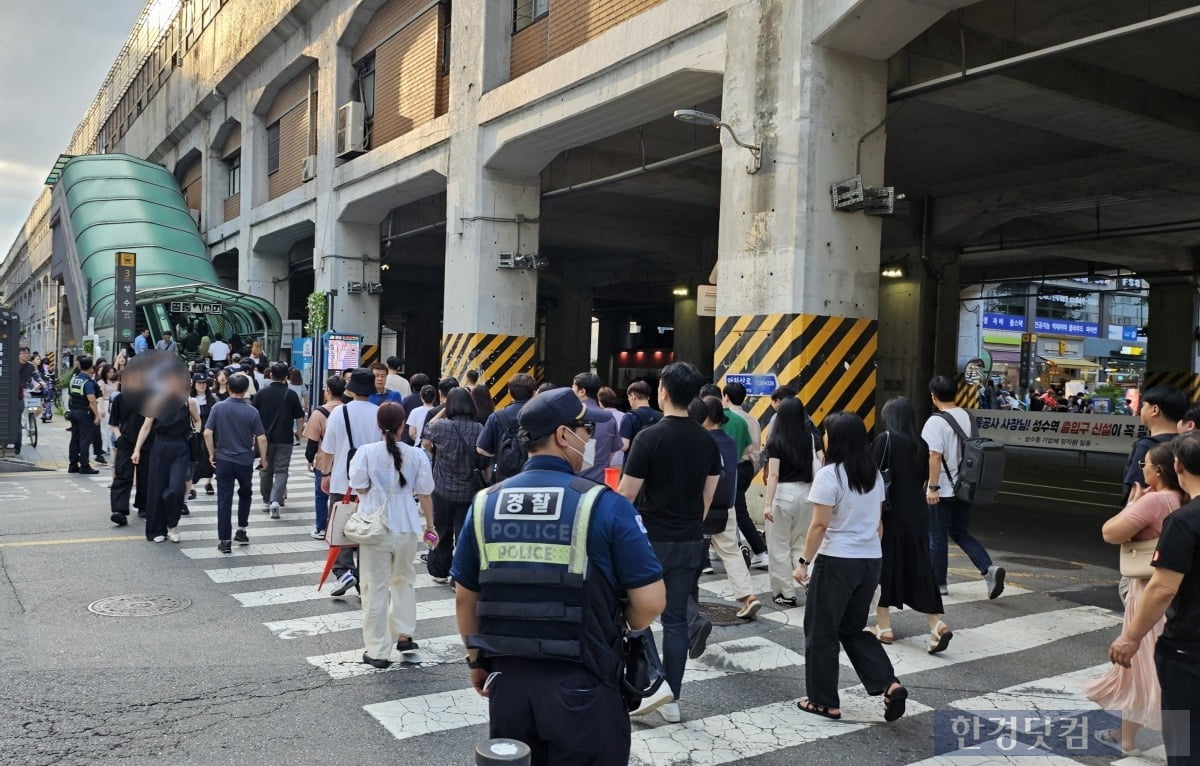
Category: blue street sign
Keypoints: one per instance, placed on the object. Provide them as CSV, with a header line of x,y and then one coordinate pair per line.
x,y
756,385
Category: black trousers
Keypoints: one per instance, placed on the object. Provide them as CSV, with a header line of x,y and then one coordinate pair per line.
x,y
835,614
562,711
170,465
1179,677
750,533
82,429
141,474
122,480
227,472
448,518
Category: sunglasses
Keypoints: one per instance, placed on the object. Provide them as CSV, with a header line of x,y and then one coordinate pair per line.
x,y
585,424
1144,463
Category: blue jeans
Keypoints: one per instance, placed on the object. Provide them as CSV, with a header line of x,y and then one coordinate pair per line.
x,y
678,560
321,501
952,518
226,473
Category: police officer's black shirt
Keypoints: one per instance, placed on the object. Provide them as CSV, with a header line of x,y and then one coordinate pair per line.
x,y
674,457
80,401
1179,551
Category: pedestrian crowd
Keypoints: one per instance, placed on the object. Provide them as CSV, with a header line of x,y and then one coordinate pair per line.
x,y
568,520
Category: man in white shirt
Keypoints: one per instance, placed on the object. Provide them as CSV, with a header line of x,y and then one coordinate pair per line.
x,y
218,352
396,381
952,517
352,423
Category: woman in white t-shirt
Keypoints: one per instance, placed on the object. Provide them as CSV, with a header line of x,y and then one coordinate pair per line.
x,y
416,418
843,538
387,476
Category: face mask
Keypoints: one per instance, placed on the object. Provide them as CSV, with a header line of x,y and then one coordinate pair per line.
x,y
588,454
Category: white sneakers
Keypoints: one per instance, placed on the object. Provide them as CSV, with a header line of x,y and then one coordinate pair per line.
x,y
173,534
670,712
758,561
661,698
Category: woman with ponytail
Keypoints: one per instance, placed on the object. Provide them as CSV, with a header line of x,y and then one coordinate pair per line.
x,y
395,479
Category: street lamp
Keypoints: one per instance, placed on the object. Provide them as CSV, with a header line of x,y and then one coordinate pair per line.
x,y
704,119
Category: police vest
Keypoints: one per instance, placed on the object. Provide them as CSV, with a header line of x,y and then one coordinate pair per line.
x,y
77,399
539,598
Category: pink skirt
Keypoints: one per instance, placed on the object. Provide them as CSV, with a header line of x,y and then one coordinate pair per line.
x,y
1133,691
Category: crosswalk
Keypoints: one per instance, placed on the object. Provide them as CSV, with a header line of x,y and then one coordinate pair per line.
x,y
738,697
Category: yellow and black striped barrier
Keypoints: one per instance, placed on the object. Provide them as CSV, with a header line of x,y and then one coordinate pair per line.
x,y
496,357
966,394
1187,382
369,355
829,360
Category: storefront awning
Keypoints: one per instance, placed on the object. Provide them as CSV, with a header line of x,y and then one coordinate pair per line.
x,y
1006,357
1072,363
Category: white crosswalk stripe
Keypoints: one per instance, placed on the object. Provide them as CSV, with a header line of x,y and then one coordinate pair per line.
x,y
1019,623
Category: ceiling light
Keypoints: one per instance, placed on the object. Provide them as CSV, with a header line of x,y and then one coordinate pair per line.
x,y
679,292
892,271
706,120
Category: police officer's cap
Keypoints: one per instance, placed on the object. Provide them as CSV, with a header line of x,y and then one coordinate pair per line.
x,y
544,413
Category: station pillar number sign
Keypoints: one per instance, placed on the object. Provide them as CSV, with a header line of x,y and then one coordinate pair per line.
x,y
125,308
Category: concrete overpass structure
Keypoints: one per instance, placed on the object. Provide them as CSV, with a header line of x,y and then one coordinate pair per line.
x,y
1030,140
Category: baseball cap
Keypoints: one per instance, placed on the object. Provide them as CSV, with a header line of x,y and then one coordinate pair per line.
x,y
543,414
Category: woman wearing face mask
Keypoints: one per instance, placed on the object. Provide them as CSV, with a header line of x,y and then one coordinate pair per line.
x,y
451,439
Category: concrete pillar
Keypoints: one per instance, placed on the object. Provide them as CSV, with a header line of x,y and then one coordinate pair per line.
x,y
694,341
797,282
569,334
353,256
1171,338
490,312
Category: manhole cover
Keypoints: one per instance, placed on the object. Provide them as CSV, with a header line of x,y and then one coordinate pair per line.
x,y
1040,563
138,606
720,615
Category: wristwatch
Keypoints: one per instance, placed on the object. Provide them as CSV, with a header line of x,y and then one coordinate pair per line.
x,y
474,664
932,487
801,560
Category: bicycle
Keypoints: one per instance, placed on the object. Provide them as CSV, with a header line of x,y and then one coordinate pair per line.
x,y
32,412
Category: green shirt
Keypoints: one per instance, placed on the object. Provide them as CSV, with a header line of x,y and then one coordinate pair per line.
x,y
738,430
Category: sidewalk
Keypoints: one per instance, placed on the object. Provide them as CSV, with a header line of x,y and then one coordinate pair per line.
x,y
49,455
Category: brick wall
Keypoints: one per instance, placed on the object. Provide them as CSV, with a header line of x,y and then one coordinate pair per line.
x,y
233,142
386,22
233,207
290,109
191,185
569,24
406,79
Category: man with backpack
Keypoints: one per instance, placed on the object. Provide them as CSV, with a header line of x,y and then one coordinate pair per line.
x,y
641,414
500,439
952,515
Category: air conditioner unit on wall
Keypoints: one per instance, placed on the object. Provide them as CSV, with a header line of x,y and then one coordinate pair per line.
x,y
310,168
351,118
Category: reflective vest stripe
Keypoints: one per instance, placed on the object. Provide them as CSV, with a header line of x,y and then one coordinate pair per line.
x,y
583,515
528,553
480,512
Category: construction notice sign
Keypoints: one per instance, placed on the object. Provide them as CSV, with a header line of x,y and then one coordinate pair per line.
x,y
1060,430
125,310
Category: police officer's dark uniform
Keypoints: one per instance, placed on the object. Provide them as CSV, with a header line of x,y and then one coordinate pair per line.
x,y
123,414
550,555
81,416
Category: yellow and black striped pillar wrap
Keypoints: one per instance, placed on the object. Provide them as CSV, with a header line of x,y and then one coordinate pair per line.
x,y
50,360
369,355
966,395
497,357
1187,382
829,360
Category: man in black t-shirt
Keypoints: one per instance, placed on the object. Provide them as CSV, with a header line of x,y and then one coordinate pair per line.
x,y
1174,590
1161,410
671,474
283,416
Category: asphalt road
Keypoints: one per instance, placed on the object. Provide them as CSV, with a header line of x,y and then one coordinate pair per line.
x,y
257,670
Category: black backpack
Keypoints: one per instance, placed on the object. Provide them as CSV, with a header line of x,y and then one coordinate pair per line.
x,y
980,469
510,453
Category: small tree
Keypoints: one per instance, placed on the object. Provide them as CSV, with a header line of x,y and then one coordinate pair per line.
x,y
318,313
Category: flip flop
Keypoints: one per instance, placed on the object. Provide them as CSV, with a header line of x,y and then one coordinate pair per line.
x,y
883,635
893,704
808,706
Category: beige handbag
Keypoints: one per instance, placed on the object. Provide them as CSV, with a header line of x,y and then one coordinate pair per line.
x,y
1136,556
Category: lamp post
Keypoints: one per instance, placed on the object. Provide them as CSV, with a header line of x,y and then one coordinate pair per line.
x,y
704,119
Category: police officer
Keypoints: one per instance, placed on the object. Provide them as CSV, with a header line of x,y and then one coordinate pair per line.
x,y
83,412
549,569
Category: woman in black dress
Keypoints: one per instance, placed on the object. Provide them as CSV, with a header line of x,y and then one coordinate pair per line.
x,y
907,575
